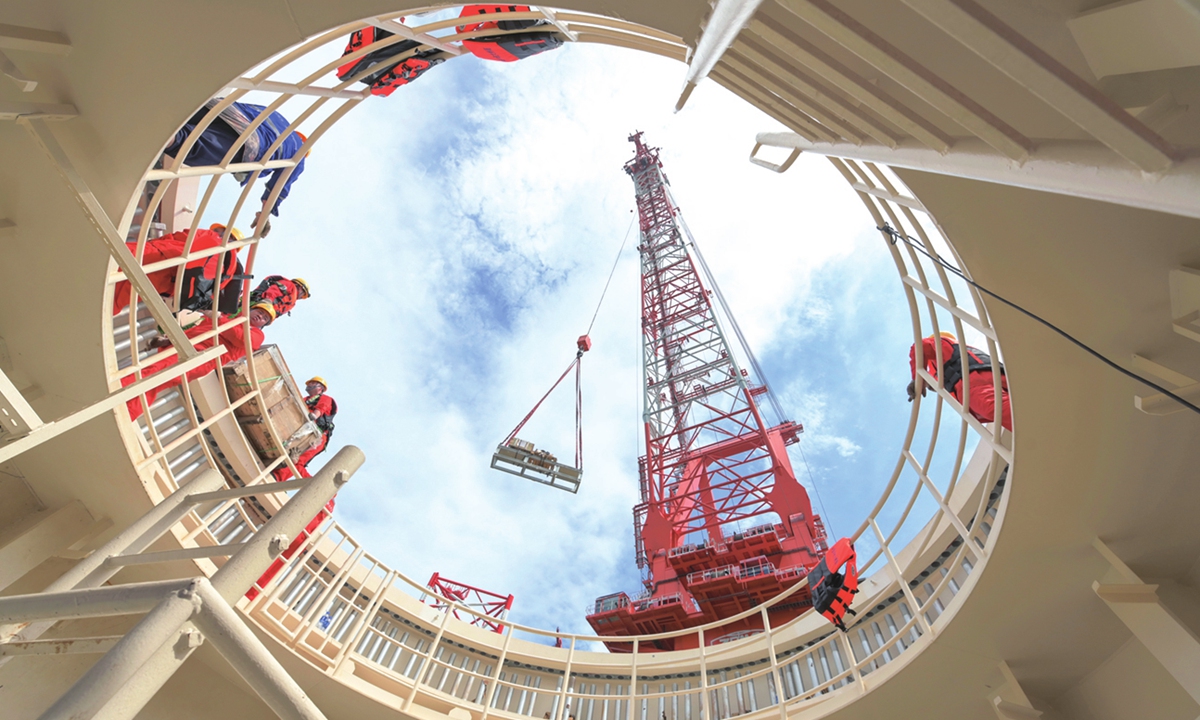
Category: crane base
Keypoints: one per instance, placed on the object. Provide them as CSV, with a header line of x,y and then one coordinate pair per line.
x,y
533,467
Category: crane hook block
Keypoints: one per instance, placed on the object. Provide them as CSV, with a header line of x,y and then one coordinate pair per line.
x,y
584,343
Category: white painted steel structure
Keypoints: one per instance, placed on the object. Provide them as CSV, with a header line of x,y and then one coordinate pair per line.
x,y
337,605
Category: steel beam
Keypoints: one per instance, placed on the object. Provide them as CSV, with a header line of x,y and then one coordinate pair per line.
x,y
1078,169
17,416
948,100
38,537
246,654
53,429
726,22
112,238
65,646
1038,72
236,577
15,37
89,602
11,110
8,68
119,665
92,572
204,551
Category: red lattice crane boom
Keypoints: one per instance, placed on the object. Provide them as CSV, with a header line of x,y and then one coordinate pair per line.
x,y
492,607
713,465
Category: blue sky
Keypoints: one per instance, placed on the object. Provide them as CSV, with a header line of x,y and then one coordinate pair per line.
x,y
457,236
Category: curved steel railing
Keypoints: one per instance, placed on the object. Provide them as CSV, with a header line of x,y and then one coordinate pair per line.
x,y
348,614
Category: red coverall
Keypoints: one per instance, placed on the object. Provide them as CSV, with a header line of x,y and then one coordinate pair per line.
x,y
234,340
171,246
279,291
319,406
983,393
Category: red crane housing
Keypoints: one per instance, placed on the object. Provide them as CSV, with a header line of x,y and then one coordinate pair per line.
x,y
723,525
493,608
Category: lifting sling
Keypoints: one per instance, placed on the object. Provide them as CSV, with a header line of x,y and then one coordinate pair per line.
x,y
521,458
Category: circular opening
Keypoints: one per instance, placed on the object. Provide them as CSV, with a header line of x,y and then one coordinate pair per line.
x,y
933,466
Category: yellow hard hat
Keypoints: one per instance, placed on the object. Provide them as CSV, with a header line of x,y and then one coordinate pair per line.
x,y
268,308
234,233
318,379
303,285
949,336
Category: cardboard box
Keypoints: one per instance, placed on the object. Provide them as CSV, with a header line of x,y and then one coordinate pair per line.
x,y
282,400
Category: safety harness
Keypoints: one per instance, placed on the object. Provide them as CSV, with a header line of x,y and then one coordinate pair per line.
x,y
387,74
199,283
509,47
325,422
952,371
285,297
833,591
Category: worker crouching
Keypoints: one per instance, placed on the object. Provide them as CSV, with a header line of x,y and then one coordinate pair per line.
x,y
280,292
982,405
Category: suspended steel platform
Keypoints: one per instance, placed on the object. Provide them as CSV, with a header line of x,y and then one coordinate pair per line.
x,y
520,458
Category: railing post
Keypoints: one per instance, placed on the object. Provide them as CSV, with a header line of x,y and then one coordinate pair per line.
x,y
428,659
560,711
360,627
895,566
495,681
705,710
855,670
633,679
779,692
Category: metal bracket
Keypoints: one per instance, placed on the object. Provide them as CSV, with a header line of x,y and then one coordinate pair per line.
x,y
783,167
8,68
17,416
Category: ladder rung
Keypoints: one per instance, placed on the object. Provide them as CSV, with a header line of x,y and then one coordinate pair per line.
x,y
172,555
248,490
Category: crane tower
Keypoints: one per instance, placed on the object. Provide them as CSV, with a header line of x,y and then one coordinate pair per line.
x,y
723,525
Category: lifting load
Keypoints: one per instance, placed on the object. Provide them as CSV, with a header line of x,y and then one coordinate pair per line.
x,y
280,399
521,458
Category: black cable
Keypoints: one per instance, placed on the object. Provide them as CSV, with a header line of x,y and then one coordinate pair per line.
x,y
813,480
610,277
911,242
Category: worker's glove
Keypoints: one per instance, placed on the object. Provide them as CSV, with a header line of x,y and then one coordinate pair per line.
x,y
159,341
266,228
912,390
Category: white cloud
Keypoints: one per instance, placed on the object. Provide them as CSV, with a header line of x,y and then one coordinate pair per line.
x,y
457,236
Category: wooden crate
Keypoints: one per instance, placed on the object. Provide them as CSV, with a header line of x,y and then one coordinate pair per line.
x,y
282,399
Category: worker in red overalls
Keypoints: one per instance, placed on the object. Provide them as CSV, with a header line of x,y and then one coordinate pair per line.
x,y
979,364
199,275
280,292
321,409
233,339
